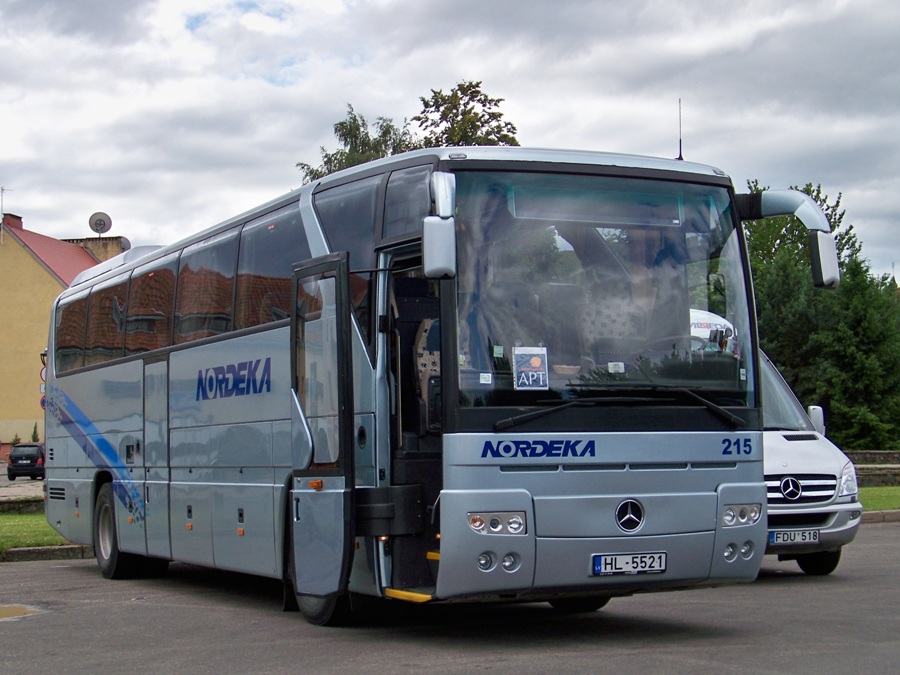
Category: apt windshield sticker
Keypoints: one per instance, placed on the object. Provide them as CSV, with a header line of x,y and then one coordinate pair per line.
x,y
530,368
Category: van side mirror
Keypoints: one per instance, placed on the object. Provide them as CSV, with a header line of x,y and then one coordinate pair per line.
x,y
817,417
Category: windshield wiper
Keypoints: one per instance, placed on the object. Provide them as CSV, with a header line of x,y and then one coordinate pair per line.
x,y
516,420
717,410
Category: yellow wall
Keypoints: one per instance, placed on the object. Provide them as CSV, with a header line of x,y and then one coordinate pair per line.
x,y
27,292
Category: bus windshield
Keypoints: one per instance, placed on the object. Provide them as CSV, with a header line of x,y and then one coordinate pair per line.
x,y
570,284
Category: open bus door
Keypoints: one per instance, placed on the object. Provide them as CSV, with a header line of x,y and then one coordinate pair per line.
x,y
322,499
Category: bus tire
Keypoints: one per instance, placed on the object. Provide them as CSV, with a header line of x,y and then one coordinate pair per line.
x,y
819,564
329,610
579,605
113,563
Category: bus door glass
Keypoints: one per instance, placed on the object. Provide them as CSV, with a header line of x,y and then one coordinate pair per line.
x,y
322,494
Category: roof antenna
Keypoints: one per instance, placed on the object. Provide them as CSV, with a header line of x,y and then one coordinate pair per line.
x,y
680,156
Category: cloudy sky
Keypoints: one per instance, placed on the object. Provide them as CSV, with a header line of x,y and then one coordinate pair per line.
x,y
172,115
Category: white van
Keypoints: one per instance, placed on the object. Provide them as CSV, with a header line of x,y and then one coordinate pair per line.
x,y
813,498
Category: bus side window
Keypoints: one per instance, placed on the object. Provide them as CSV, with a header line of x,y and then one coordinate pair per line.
x,y
70,326
269,248
205,286
151,302
106,323
349,215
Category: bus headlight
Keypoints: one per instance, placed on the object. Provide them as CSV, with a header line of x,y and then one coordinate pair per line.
x,y
498,522
734,515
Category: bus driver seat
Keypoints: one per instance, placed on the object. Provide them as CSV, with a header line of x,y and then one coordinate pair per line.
x,y
428,364
612,327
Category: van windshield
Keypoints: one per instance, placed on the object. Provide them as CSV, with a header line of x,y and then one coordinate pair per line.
x,y
572,283
781,409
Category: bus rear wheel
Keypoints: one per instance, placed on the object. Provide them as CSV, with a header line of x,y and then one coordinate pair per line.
x,y
113,563
579,605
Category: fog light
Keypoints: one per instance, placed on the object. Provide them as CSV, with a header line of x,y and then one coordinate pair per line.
x,y
515,524
729,516
476,522
510,562
730,552
485,562
747,550
755,512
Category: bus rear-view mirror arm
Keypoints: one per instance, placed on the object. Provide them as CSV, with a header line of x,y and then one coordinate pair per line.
x,y
822,248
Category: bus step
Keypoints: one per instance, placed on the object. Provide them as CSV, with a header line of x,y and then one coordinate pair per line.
x,y
417,596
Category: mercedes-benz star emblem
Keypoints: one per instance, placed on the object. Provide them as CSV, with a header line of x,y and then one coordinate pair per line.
x,y
629,515
790,488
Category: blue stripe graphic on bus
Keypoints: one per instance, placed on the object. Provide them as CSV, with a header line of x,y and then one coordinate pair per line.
x,y
235,379
97,448
538,448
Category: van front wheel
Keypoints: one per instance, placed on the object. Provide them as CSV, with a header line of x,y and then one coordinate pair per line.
x,y
819,564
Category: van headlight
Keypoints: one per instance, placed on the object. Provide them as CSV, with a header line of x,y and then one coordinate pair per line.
x,y
848,481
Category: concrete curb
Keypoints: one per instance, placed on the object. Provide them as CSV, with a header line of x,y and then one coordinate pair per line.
x,y
881,517
67,552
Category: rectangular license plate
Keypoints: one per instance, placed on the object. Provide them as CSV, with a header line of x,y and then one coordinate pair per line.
x,y
608,564
793,536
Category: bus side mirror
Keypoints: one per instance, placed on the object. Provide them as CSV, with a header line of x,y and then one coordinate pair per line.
x,y
823,256
439,230
823,251
817,417
439,247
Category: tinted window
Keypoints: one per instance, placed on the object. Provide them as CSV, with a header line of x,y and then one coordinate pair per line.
x,y
150,306
205,288
407,202
348,216
106,323
269,248
70,322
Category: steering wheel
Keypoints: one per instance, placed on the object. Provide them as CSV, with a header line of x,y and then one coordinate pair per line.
x,y
664,342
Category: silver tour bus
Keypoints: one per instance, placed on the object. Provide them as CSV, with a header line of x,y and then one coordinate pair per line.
x,y
450,375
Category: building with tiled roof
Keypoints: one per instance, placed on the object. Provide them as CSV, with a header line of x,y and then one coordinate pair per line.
x,y
34,269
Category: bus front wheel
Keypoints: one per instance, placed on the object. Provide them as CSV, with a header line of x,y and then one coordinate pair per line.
x,y
579,605
330,610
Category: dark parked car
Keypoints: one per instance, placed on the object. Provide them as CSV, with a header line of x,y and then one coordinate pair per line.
x,y
26,459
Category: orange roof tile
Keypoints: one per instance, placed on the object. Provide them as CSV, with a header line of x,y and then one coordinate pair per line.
x,y
62,259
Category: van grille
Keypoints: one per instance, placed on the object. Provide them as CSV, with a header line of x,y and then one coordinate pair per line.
x,y
56,493
813,488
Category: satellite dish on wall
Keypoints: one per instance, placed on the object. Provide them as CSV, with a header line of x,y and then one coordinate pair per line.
x,y
100,222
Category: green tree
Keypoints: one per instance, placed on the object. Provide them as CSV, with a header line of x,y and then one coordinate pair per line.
x,y
34,434
839,349
464,116
360,143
